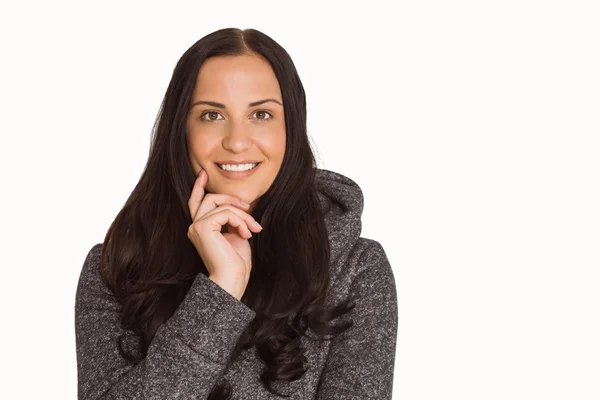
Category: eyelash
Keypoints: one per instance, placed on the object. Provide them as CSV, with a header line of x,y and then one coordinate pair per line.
x,y
258,119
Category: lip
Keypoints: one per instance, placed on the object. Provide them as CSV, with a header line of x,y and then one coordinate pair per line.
x,y
237,174
233,162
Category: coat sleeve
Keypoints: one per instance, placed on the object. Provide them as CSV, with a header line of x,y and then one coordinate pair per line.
x,y
360,362
185,359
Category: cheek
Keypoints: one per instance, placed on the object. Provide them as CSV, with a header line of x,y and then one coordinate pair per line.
x,y
196,151
280,147
274,146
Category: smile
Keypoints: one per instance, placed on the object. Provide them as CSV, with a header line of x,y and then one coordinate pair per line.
x,y
239,172
237,167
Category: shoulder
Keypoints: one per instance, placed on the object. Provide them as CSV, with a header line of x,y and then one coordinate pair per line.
x,y
91,263
367,264
90,284
94,253
365,255
373,262
371,249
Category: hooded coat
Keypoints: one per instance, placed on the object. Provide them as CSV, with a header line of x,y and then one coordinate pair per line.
x,y
188,354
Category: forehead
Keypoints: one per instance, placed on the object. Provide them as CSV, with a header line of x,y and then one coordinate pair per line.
x,y
234,75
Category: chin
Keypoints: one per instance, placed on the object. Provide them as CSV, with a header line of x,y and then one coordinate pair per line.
x,y
242,195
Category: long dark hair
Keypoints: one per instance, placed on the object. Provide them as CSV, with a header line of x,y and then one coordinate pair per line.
x,y
149,263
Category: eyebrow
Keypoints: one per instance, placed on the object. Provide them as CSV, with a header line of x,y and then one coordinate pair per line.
x,y
221,105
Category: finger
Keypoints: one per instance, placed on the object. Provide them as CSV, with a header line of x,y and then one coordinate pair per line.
x,y
197,193
214,200
248,219
225,217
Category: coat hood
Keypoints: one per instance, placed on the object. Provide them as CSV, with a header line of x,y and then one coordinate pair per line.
x,y
342,202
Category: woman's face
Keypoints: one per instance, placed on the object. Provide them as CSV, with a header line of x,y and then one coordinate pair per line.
x,y
225,125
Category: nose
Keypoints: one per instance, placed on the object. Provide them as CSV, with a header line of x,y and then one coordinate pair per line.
x,y
237,139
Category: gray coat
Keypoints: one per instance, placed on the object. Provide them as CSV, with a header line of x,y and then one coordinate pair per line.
x,y
189,351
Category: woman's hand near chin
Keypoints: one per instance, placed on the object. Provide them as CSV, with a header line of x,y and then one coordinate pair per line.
x,y
227,255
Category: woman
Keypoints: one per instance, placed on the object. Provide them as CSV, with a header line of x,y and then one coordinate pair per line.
x,y
236,268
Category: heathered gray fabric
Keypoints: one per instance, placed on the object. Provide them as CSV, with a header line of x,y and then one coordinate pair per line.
x,y
187,356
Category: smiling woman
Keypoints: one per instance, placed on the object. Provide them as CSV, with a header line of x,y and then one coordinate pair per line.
x,y
236,268
241,131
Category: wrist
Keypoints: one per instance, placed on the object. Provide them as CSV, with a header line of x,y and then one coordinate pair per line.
x,y
228,288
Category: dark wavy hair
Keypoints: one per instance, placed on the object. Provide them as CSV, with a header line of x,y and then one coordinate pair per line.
x,y
149,263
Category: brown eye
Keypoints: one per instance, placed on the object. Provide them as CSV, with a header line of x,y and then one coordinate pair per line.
x,y
209,113
261,115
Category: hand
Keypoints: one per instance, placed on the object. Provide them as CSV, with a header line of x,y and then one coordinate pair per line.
x,y
227,256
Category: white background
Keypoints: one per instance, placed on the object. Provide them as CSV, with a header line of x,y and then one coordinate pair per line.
x,y
471,126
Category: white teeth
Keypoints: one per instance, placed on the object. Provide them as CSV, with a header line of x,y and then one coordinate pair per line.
x,y
240,167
